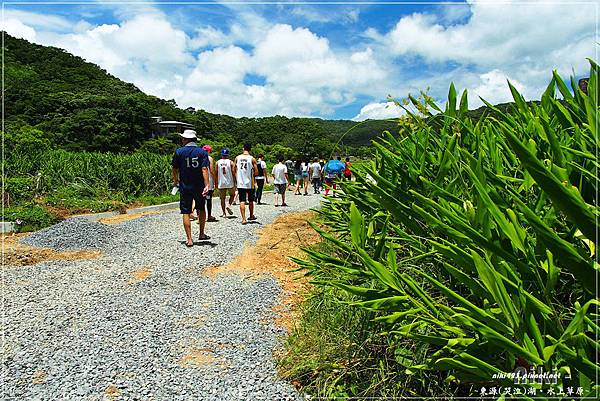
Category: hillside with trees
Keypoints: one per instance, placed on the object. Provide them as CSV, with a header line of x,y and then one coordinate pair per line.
x,y
80,107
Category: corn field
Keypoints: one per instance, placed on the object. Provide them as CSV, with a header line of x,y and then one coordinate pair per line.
x,y
476,239
136,174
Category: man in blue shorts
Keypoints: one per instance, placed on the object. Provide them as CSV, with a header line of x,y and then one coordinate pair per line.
x,y
190,173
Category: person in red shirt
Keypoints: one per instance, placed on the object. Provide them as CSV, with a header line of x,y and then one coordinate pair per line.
x,y
347,171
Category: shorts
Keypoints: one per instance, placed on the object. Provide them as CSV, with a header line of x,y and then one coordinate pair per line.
x,y
305,175
298,177
186,198
209,194
224,191
279,188
246,194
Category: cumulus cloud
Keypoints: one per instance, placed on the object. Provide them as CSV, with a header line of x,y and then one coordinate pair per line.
x,y
492,42
37,20
478,46
248,28
379,111
303,75
18,29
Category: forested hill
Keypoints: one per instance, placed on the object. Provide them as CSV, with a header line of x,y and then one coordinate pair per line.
x,y
79,106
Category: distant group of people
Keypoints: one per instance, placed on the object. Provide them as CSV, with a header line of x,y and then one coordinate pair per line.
x,y
196,176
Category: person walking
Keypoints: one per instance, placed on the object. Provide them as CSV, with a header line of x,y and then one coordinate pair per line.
x,y
322,164
225,182
245,169
261,178
331,171
298,176
190,174
280,181
290,167
315,175
347,171
305,176
211,184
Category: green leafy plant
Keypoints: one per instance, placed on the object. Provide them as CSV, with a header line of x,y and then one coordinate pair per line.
x,y
29,218
476,237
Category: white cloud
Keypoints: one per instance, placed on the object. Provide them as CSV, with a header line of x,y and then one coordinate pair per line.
x,y
478,46
146,50
219,68
303,75
523,41
494,86
527,32
37,20
379,111
247,28
18,29
327,14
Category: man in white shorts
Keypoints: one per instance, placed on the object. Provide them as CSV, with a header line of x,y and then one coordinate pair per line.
x,y
280,181
245,169
225,182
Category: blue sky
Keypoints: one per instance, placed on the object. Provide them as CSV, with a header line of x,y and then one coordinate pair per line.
x,y
325,60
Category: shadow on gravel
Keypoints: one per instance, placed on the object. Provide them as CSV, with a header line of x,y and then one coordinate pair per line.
x,y
205,243
201,243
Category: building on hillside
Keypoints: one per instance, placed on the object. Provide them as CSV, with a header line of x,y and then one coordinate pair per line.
x,y
162,128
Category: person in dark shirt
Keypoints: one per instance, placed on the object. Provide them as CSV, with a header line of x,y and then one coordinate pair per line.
x,y
190,173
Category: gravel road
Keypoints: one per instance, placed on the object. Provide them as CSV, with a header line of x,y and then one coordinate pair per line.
x,y
142,322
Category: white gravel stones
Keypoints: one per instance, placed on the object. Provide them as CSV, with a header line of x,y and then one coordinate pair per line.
x,y
74,233
85,330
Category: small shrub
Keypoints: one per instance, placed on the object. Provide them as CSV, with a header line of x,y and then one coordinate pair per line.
x,y
29,218
20,189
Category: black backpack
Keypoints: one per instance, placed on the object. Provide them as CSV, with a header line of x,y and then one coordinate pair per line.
x,y
261,170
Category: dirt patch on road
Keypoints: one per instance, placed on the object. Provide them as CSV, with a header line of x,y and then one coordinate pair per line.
x,y
277,242
139,275
19,254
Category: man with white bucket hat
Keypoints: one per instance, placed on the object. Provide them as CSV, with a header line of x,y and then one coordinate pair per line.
x,y
190,174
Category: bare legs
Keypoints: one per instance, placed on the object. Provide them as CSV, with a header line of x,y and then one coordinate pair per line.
x,y
202,223
187,226
243,212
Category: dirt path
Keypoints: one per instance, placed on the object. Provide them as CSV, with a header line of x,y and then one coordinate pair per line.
x,y
271,254
146,318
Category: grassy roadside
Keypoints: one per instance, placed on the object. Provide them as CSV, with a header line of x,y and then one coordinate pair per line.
x,y
45,211
39,212
336,349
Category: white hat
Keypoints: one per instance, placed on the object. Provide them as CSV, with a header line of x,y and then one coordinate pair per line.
x,y
189,134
